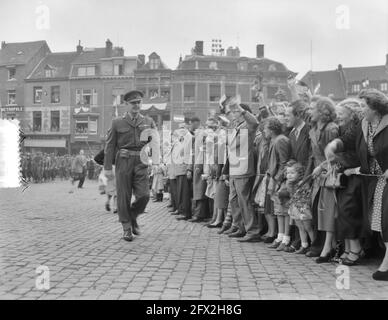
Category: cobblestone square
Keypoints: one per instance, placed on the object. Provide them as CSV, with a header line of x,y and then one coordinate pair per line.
x,y
80,243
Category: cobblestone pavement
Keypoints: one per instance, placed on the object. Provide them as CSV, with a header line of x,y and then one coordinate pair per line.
x,y
80,243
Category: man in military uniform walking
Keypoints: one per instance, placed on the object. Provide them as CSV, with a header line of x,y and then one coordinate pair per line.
x,y
127,136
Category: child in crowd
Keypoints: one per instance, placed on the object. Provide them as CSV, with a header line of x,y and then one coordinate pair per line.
x,y
159,173
299,204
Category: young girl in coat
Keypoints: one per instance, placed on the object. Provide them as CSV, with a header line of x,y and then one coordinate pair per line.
x,y
299,203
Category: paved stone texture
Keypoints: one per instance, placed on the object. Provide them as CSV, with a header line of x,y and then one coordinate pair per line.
x,y
80,243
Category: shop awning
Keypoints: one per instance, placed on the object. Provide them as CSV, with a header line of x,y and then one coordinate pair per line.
x,y
159,106
45,143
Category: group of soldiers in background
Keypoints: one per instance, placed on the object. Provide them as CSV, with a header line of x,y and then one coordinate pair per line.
x,y
43,167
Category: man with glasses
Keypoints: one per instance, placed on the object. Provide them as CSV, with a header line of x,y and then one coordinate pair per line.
x,y
129,134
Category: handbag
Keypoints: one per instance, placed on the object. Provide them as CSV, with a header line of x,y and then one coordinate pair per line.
x,y
334,180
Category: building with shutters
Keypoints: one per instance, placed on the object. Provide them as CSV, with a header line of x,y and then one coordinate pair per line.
x,y
153,78
17,61
99,78
46,119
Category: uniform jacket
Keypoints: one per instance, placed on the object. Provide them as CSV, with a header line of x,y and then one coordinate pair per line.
x,y
126,133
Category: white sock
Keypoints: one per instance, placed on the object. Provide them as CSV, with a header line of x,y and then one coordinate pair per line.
x,y
305,244
286,239
280,237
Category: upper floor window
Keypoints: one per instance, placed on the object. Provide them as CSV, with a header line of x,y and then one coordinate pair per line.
x,y
86,97
55,94
189,92
214,92
38,92
153,93
154,63
55,121
230,90
93,126
118,96
11,73
11,97
165,93
384,86
87,71
86,126
355,88
37,120
118,70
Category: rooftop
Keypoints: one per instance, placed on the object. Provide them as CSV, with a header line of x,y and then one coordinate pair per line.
x,y
20,53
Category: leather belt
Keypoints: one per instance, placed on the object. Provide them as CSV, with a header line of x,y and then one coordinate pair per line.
x,y
124,153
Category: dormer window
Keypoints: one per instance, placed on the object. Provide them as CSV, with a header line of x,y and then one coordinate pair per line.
x,y
118,70
355,88
154,63
86,71
213,65
11,73
384,86
48,72
243,66
272,67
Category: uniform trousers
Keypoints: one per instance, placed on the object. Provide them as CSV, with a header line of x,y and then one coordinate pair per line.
x,y
131,179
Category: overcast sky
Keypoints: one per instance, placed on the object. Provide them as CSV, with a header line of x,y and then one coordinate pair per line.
x,y
170,27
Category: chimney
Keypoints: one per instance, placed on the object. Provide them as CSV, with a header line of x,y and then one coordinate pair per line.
x,y
79,47
3,44
141,58
198,48
108,48
180,59
229,52
340,67
386,60
120,51
260,51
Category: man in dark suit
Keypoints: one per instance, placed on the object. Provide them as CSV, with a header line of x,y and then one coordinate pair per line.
x,y
300,149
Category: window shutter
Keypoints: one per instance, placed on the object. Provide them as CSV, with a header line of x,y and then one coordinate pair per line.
x,y
94,102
